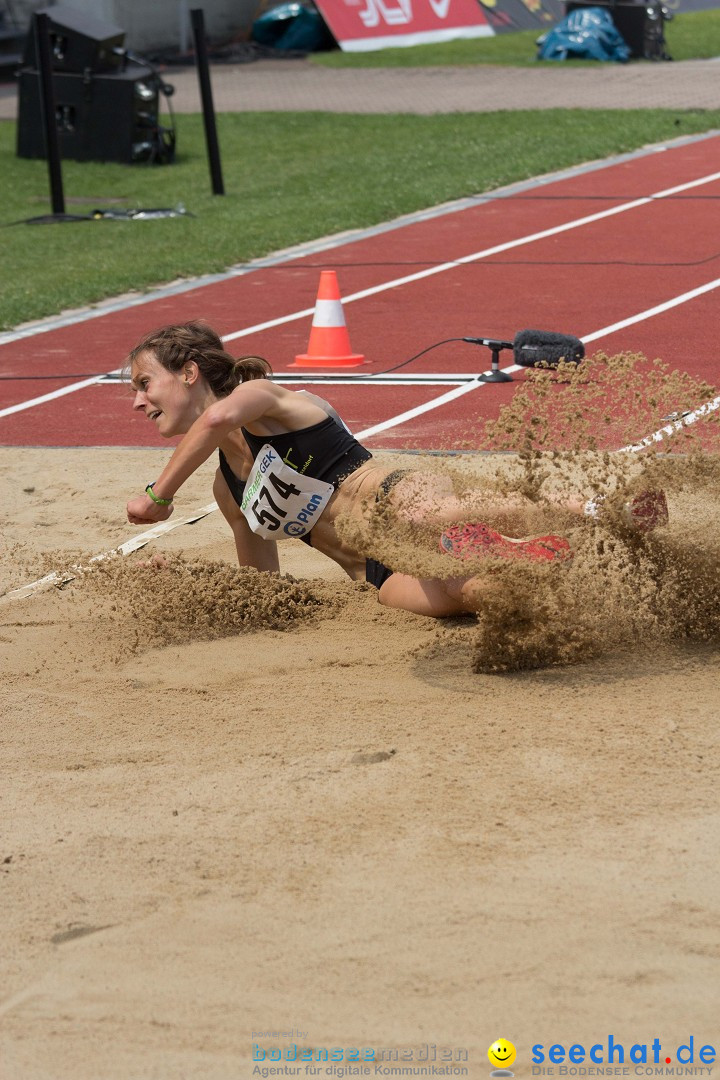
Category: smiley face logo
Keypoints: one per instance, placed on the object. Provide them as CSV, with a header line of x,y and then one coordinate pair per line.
x,y
501,1054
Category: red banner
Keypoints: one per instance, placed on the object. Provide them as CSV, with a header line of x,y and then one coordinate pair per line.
x,y
362,25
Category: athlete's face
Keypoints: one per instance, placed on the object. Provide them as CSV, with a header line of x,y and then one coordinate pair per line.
x,y
166,397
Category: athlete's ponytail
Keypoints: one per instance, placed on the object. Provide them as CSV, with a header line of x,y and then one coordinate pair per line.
x,y
247,368
174,346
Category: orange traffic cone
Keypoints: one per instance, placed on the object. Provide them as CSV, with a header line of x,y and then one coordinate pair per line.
x,y
329,344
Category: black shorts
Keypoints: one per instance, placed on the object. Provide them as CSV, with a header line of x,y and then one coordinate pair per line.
x,y
376,573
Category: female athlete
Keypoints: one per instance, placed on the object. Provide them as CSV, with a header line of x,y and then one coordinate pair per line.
x,y
288,467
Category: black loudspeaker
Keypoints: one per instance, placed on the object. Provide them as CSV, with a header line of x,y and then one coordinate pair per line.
x,y
98,117
77,42
639,24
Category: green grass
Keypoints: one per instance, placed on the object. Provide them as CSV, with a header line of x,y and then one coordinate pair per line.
x,y
693,35
290,177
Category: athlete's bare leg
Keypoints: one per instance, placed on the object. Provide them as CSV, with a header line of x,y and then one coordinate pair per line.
x,y
424,498
436,598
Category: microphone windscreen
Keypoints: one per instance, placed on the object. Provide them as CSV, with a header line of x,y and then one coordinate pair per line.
x,y
534,347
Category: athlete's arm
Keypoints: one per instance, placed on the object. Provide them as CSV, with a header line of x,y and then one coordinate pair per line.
x,y
251,549
246,403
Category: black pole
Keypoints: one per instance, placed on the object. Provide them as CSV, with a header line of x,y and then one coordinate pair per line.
x,y
213,149
47,110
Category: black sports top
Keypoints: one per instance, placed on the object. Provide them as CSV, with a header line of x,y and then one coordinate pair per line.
x,y
327,451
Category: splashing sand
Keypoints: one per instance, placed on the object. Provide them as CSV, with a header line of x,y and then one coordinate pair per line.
x,y
622,589
606,402
186,601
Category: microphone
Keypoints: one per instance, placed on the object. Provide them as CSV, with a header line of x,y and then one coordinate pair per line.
x,y
491,343
534,347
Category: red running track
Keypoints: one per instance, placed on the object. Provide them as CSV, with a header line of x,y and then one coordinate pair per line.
x,y
581,281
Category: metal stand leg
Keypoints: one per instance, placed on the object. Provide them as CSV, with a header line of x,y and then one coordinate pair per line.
x,y
495,374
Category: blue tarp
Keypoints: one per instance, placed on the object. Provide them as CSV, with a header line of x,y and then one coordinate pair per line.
x,y
292,26
585,34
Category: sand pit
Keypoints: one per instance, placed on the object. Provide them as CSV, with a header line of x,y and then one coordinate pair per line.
x,y
327,822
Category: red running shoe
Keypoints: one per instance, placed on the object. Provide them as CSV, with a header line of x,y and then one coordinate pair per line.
x,y
473,541
647,511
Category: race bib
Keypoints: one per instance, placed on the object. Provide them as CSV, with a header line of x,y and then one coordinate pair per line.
x,y
279,503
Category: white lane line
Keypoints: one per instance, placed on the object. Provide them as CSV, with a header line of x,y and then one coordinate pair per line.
x,y
485,253
431,378
56,394
401,418
657,310
396,282
672,428
61,578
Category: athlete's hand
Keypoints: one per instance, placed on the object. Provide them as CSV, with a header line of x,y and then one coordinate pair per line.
x,y
143,511
155,562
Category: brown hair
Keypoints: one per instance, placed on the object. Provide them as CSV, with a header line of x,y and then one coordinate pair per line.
x,y
174,346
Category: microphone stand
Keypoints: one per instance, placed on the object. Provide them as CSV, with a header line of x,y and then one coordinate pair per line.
x,y
496,347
